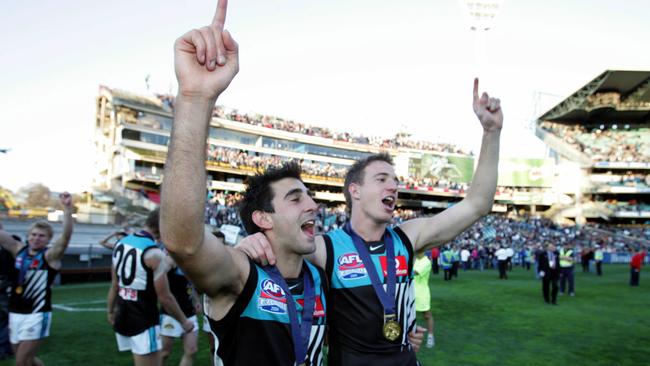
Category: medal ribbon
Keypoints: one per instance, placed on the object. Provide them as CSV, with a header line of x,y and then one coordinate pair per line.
x,y
387,297
299,332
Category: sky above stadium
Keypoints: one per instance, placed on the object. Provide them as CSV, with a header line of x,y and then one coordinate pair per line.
x,y
367,67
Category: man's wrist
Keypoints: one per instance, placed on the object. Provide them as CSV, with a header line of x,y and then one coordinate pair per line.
x,y
196,98
492,131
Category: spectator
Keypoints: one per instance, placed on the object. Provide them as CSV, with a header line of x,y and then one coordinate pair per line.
x,y
635,266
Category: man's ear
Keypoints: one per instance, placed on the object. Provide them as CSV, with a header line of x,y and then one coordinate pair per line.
x,y
354,190
263,220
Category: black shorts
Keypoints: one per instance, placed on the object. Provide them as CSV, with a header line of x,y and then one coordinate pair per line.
x,y
340,357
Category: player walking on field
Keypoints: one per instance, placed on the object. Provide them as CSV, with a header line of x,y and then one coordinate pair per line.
x,y
36,266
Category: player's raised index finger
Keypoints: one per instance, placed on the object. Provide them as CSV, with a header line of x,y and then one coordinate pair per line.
x,y
475,89
219,18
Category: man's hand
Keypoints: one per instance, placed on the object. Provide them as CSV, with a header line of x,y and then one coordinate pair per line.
x,y
541,273
188,326
66,199
206,59
416,337
110,316
258,248
488,110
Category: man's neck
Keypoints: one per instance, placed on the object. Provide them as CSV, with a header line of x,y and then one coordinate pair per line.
x,y
367,228
31,251
289,265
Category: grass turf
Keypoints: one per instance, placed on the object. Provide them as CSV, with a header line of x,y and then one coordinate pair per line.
x,y
480,320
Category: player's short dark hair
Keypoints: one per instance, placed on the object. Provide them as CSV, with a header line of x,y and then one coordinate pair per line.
x,y
258,194
153,222
356,172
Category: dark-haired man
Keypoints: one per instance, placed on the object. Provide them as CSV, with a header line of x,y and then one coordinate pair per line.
x,y
370,266
282,306
549,271
139,282
36,266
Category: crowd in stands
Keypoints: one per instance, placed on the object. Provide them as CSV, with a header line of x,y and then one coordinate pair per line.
x,y
429,183
238,158
488,234
296,127
288,125
629,179
627,206
606,142
221,209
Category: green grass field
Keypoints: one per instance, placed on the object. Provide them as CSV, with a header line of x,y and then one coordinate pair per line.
x,y
480,320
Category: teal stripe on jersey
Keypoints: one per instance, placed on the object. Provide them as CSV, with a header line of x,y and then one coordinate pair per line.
x,y
265,306
139,242
348,269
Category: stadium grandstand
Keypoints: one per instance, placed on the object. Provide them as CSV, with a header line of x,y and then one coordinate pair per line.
x,y
601,133
132,134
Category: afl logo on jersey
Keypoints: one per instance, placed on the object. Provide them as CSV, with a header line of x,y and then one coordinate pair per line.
x,y
272,298
351,267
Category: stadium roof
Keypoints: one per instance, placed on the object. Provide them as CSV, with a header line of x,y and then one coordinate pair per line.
x,y
611,96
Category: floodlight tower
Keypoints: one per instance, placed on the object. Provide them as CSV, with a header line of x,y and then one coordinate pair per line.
x,y
480,16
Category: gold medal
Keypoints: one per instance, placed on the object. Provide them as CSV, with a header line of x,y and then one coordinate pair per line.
x,y
19,290
392,329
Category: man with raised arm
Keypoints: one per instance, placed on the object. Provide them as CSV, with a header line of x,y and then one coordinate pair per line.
x,y
370,266
139,282
281,307
36,266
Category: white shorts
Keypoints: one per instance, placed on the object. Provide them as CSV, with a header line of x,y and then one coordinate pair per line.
x,y
206,325
170,327
29,327
140,344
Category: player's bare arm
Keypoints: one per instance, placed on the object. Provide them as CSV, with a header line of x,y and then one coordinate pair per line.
x,y
9,243
55,253
258,248
112,298
106,242
205,60
156,260
429,232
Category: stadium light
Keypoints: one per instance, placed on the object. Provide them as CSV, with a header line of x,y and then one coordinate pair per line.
x,y
480,16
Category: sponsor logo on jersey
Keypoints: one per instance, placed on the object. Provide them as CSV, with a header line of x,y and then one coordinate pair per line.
x,y
401,267
272,298
35,264
128,294
351,267
319,309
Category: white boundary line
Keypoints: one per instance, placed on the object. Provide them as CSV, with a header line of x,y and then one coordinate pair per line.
x,y
71,309
68,307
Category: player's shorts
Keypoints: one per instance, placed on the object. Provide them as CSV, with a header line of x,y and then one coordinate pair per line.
x,y
170,327
140,344
206,325
29,327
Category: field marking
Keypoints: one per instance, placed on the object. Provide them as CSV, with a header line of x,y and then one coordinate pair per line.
x,y
71,309
84,302
70,306
77,287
